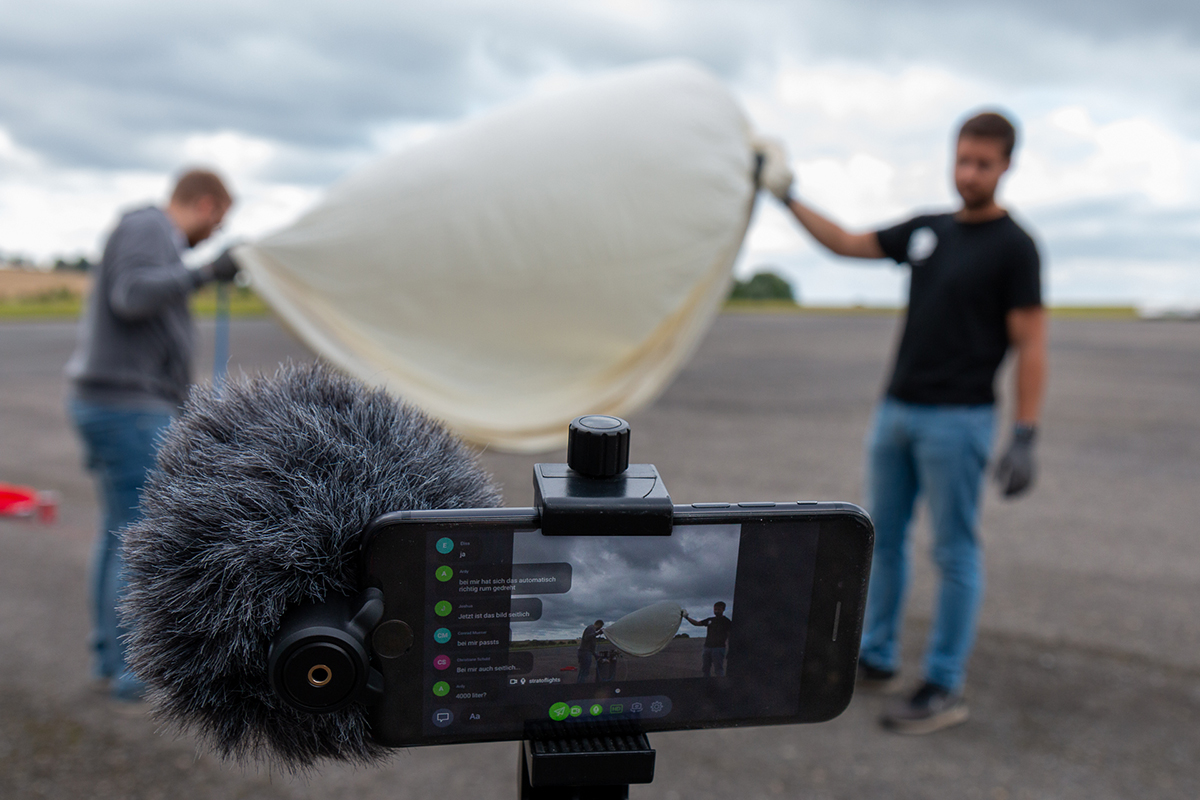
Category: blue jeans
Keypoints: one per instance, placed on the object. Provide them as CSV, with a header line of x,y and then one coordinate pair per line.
x,y
119,449
712,660
939,453
585,665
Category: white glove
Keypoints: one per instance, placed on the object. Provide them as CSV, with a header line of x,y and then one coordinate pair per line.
x,y
775,175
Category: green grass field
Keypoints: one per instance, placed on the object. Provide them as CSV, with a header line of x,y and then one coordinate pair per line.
x,y
243,302
62,303
786,307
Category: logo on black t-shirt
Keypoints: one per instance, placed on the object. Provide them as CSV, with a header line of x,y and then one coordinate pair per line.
x,y
921,245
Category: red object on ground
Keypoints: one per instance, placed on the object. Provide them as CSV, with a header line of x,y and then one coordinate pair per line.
x,y
22,501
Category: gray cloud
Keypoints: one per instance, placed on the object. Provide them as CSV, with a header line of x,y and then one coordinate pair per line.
x,y
98,87
1119,228
103,100
1106,20
1111,48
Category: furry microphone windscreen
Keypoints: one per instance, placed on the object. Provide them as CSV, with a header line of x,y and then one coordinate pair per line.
x,y
259,496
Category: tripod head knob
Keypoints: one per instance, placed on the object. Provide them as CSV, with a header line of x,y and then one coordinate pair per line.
x,y
598,445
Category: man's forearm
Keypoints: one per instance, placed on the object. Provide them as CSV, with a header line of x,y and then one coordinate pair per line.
x,y
1027,331
824,230
1030,380
140,292
833,236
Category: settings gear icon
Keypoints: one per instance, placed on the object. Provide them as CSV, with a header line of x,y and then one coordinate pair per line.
x,y
656,706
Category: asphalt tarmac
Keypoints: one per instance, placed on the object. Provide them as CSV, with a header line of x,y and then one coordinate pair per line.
x,y
1085,682
681,658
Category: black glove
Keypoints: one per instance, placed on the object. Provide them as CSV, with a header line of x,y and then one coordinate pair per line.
x,y
1015,471
223,268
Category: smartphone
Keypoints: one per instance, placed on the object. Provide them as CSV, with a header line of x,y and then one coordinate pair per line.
x,y
746,614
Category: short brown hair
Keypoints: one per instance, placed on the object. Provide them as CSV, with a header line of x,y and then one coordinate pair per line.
x,y
196,183
990,125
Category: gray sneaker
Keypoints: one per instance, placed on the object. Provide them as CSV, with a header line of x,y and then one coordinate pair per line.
x,y
931,708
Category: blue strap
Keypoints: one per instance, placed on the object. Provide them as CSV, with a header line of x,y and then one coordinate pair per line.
x,y
221,346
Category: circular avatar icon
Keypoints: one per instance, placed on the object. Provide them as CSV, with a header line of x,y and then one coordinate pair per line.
x,y
443,608
443,574
441,688
441,635
441,662
445,545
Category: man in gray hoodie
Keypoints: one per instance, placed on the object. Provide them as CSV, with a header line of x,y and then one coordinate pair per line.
x,y
130,373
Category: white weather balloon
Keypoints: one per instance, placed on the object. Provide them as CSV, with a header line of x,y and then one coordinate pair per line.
x,y
559,257
646,631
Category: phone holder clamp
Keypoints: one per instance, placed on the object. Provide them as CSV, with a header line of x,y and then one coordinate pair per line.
x,y
598,492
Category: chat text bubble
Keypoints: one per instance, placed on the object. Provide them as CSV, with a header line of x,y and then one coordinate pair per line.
x,y
518,579
487,611
495,663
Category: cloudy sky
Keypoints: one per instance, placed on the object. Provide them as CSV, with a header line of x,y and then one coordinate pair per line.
x,y
100,103
695,566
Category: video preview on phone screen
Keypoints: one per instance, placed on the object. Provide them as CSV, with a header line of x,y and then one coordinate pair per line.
x,y
527,626
623,609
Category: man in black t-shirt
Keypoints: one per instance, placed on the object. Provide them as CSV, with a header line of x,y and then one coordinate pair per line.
x,y
712,660
975,293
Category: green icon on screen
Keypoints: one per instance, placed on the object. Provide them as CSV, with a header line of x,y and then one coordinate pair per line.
x,y
441,635
576,711
443,608
559,711
616,708
441,688
443,574
596,710
445,545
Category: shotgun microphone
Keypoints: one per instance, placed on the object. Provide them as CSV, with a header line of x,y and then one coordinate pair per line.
x,y
260,493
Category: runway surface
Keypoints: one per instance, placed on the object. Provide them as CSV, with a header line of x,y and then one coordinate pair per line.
x,y
1085,682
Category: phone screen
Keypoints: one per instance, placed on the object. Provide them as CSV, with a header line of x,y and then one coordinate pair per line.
x,y
705,627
